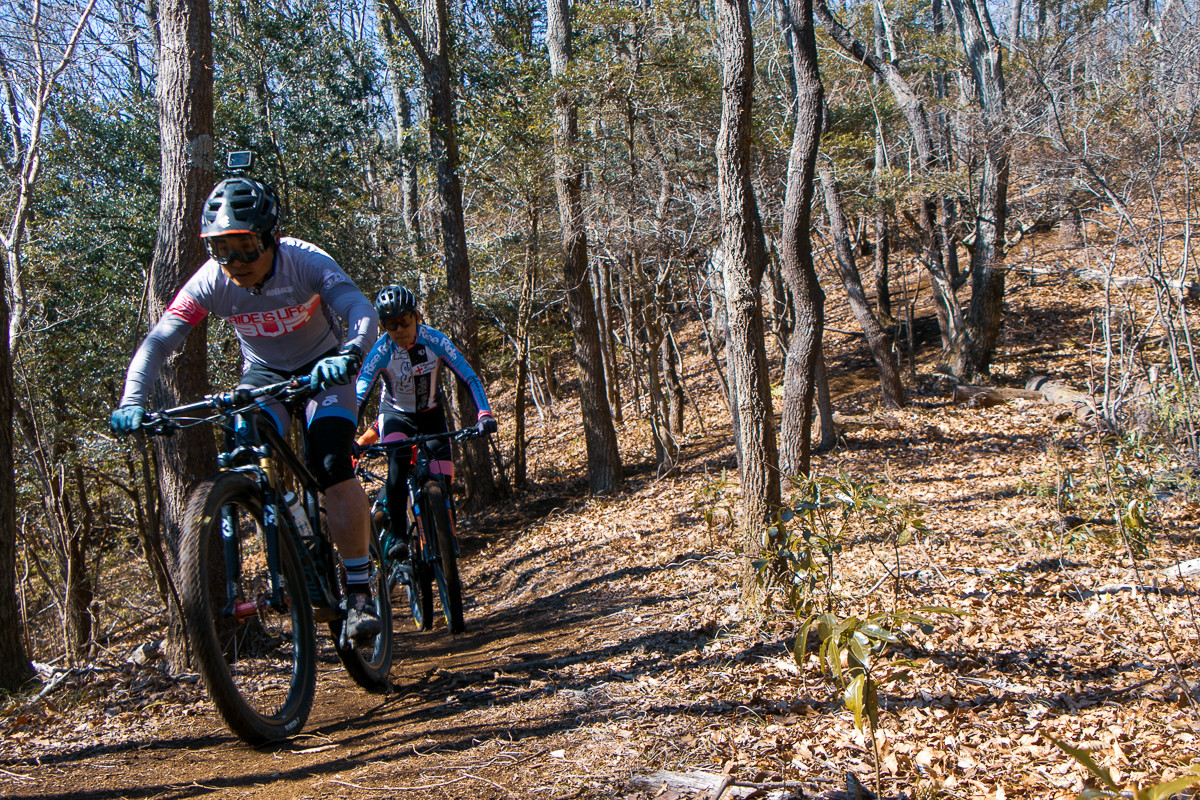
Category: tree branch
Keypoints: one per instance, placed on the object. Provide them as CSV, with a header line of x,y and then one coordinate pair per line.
x,y
417,45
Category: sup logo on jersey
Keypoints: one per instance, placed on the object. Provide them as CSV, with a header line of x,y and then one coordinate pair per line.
x,y
275,323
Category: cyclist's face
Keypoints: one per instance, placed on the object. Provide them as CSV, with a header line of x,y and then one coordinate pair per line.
x,y
242,257
402,328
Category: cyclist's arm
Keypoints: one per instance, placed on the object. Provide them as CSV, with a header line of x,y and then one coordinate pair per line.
x,y
176,323
454,358
375,363
352,305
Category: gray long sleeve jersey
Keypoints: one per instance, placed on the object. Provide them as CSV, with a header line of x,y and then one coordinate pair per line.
x,y
288,323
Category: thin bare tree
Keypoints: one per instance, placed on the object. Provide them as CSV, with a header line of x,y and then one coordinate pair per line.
x,y
605,473
744,252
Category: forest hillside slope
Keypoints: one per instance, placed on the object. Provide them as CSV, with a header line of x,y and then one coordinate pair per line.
x,y
609,655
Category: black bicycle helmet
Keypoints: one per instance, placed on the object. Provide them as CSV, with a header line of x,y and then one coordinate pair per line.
x,y
394,300
241,205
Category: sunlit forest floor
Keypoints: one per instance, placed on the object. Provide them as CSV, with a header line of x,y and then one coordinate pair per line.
x,y
609,653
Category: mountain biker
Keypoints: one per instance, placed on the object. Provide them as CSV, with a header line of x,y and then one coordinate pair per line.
x,y
281,296
409,360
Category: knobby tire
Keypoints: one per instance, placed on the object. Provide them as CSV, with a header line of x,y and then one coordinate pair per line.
x,y
260,671
436,517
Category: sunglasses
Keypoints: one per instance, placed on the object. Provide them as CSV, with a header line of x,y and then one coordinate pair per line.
x,y
400,321
225,252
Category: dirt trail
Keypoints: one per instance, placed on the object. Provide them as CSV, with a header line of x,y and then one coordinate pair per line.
x,y
565,616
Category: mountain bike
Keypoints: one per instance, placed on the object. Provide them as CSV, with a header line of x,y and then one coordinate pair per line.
x,y
432,546
258,570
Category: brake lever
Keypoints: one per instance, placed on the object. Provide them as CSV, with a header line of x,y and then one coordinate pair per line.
x,y
157,425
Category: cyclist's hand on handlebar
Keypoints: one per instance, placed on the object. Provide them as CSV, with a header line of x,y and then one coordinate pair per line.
x,y
333,371
126,419
486,424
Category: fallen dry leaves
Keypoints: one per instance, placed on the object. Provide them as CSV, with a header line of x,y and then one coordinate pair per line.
x,y
663,672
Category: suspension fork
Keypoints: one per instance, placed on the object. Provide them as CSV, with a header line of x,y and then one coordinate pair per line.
x,y
245,437
233,560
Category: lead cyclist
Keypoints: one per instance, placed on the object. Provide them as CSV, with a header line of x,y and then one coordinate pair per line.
x,y
283,297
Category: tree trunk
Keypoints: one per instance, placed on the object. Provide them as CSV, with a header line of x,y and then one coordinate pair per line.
x,y
632,306
410,201
15,668
883,289
405,142
744,251
185,115
666,448
972,352
524,314
443,145
603,277
605,473
828,438
78,589
804,351
878,340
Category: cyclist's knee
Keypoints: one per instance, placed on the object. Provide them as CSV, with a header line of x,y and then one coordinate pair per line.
x,y
330,441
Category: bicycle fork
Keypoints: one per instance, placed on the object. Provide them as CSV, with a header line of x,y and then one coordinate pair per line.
x,y
237,604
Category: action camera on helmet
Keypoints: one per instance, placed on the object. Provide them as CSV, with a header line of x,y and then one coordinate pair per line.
x,y
240,161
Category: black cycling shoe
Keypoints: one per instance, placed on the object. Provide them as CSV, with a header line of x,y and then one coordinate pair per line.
x,y
362,620
398,550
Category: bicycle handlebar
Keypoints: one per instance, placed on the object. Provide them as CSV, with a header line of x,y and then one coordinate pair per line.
x,y
380,448
225,404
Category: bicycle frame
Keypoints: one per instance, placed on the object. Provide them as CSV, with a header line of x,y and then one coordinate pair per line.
x,y
256,450
420,472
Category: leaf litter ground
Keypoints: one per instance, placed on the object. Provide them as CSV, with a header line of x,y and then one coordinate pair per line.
x,y
608,653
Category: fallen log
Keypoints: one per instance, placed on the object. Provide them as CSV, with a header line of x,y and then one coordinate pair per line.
x,y
847,422
1056,392
1184,569
988,396
1185,290
714,786
1039,388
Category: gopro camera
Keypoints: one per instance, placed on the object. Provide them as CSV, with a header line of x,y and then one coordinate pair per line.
x,y
240,161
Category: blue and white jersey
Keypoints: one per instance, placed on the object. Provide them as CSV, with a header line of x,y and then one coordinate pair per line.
x,y
410,377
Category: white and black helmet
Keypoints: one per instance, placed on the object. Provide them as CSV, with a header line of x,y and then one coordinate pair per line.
x,y
241,205
394,300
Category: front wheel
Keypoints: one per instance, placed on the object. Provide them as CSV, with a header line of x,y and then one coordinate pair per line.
x,y
252,633
369,662
436,514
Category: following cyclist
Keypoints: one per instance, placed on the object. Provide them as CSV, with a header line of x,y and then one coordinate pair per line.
x,y
409,361
280,295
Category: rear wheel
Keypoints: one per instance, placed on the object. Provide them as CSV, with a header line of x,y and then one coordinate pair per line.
x,y
368,662
254,642
436,515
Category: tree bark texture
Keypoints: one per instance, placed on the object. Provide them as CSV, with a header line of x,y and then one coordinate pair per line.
x,y
185,115
15,668
878,340
443,146
744,253
605,473
804,349
932,224
972,353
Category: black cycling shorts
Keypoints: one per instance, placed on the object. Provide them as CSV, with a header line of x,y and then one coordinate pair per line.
x,y
331,417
